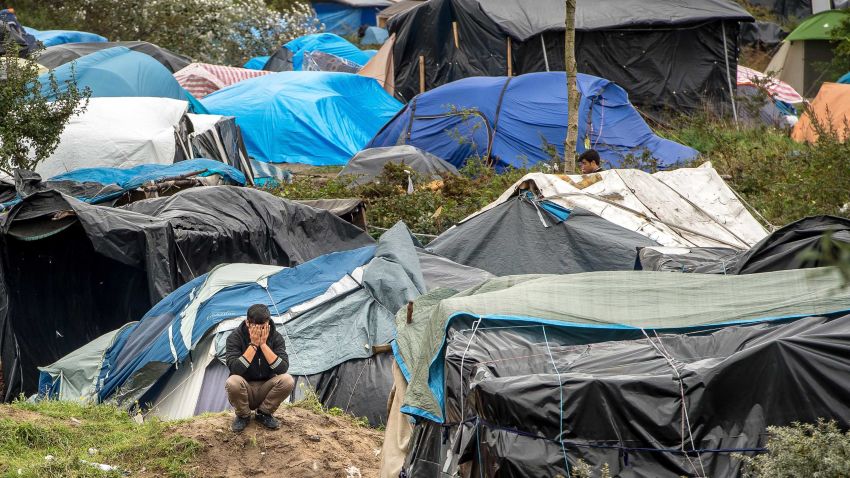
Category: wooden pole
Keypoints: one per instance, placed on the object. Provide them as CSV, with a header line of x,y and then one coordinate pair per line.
x,y
572,91
510,61
454,30
422,74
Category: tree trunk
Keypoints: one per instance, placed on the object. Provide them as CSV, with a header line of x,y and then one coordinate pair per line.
x,y
572,90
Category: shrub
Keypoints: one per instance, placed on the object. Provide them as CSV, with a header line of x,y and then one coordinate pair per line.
x,y
817,450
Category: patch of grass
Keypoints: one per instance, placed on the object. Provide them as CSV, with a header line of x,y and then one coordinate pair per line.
x,y
312,403
66,431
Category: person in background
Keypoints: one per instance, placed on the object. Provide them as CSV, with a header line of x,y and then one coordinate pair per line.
x,y
257,359
589,162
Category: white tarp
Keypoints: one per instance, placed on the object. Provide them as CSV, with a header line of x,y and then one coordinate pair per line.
x,y
687,207
117,133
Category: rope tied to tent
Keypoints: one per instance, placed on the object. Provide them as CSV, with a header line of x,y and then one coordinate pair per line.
x,y
686,421
561,405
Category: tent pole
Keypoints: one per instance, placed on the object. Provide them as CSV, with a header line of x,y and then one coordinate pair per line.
x,y
422,74
454,31
545,56
510,67
728,76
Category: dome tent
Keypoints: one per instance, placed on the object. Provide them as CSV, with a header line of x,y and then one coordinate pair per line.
x,y
305,116
515,121
60,37
55,56
366,165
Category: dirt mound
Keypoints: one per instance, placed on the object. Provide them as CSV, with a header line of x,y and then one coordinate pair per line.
x,y
308,444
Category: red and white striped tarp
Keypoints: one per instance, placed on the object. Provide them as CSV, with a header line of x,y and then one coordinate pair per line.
x,y
201,79
778,89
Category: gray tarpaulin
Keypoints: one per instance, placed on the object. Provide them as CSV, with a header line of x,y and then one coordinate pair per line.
x,y
369,163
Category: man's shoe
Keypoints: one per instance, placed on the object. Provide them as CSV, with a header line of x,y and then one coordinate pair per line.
x,y
267,421
239,423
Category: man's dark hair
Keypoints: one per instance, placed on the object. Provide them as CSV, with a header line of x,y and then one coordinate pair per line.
x,y
258,314
590,156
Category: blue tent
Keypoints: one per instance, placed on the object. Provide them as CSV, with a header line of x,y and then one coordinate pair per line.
x,y
59,37
326,43
310,117
374,36
256,63
519,121
119,72
345,17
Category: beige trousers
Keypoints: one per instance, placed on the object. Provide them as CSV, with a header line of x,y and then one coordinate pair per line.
x,y
265,396
399,429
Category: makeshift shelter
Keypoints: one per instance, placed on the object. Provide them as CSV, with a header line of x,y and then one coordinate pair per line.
x,y
501,377
327,309
804,53
201,79
117,72
120,133
831,109
60,37
520,121
685,207
380,67
344,17
527,236
676,56
58,55
256,63
799,245
115,186
305,116
290,57
366,165
108,266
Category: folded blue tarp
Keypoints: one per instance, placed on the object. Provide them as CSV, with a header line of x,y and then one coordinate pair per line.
x,y
318,118
59,37
256,63
119,72
522,120
132,178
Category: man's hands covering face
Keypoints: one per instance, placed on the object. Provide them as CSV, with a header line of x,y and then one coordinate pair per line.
x,y
258,333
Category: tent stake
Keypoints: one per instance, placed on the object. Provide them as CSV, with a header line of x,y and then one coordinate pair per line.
x,y
422,74
510,67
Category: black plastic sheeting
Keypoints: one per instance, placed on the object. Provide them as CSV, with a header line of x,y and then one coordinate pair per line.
x,y
798,245
58,55
360,387
664,58
765,35
28,183
74,271
516,237
281,60
229,135
528,403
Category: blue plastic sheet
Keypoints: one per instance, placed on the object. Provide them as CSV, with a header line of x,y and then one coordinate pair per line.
x,y
256,63
344,19
326,43
527,122
318,118
60,37
132,178
845,79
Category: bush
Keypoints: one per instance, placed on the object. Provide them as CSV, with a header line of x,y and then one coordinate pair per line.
x,y
213,31
818,450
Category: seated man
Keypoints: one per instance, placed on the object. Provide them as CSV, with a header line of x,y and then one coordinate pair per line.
x,y
589,162
256,357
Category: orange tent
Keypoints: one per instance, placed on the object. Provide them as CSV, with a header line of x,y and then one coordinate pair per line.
x,y
831,108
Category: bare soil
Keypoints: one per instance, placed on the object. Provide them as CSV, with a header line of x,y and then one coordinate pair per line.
x,y
307,445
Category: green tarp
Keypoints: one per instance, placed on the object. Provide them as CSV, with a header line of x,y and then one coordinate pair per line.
x,y
649,300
